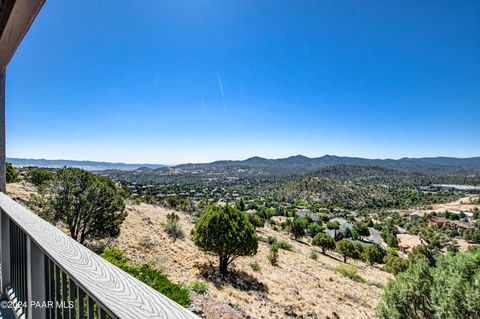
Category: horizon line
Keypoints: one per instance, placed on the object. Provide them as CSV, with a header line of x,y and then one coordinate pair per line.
x,y
235,160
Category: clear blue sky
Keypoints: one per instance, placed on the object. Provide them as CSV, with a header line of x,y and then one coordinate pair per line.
x,y
193,81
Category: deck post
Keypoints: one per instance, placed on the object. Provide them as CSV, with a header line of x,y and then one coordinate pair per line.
x,y
5,252
3,187
35,280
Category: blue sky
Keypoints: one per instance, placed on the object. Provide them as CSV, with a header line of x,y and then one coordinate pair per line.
x,y
193,81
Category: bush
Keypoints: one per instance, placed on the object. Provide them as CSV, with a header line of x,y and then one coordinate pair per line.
x,y
39,176
395,264
350,271
255,266
450,289
324,241
172,226
273,255
313,255
314,229
298,226
360,230
284,244
150,276
280,243
225,232
271,240
199,287
256,220
11,173
346,249
146,242
87,204
374,254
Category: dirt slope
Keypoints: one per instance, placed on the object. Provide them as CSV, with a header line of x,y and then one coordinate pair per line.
x,y
299,287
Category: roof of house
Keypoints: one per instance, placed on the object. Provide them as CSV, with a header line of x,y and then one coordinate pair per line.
x,y
462,224
440,219
309,214
409,241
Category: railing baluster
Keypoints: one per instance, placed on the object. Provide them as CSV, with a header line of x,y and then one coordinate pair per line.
x,y
48,280
81,303
23,266
91,308
51,270
58,297
6,258
64,295
101,313
72,289
13,260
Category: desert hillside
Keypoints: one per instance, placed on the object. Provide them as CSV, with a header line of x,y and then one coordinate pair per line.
x,y
299,287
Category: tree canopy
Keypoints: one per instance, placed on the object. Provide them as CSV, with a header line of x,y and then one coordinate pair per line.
x,y
450,289
11,173
346,249
225,232
324,241
88,204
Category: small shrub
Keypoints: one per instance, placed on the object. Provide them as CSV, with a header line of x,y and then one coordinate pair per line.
x,y
146,242
285,245
172,227
11,173
38,176
273,255
263,239
313,255
271,240
199,287
350,271
255,266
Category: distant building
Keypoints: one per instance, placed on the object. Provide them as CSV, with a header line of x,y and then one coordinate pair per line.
x,y
438,221
407,242
414,216
307,213
454,224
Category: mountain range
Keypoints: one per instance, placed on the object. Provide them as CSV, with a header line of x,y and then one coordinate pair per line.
x,y
302,164
292,164
88,165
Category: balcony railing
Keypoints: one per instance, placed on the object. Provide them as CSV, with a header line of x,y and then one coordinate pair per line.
x,y
49,275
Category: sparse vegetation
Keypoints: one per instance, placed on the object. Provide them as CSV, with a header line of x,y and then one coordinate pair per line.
x,y
199,287
350,271
172,227
255,266
273,255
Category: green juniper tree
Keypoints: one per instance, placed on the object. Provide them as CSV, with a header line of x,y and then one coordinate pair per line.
x,y
225,232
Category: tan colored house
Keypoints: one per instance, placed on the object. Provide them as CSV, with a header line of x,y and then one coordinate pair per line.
x,y
407,242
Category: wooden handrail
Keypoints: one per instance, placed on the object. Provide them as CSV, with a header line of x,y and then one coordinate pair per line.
x,y
114,291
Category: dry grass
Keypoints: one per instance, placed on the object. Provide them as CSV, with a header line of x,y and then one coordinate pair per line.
x,y
299,286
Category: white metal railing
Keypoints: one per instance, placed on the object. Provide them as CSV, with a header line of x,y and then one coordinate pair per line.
x,y
50,275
